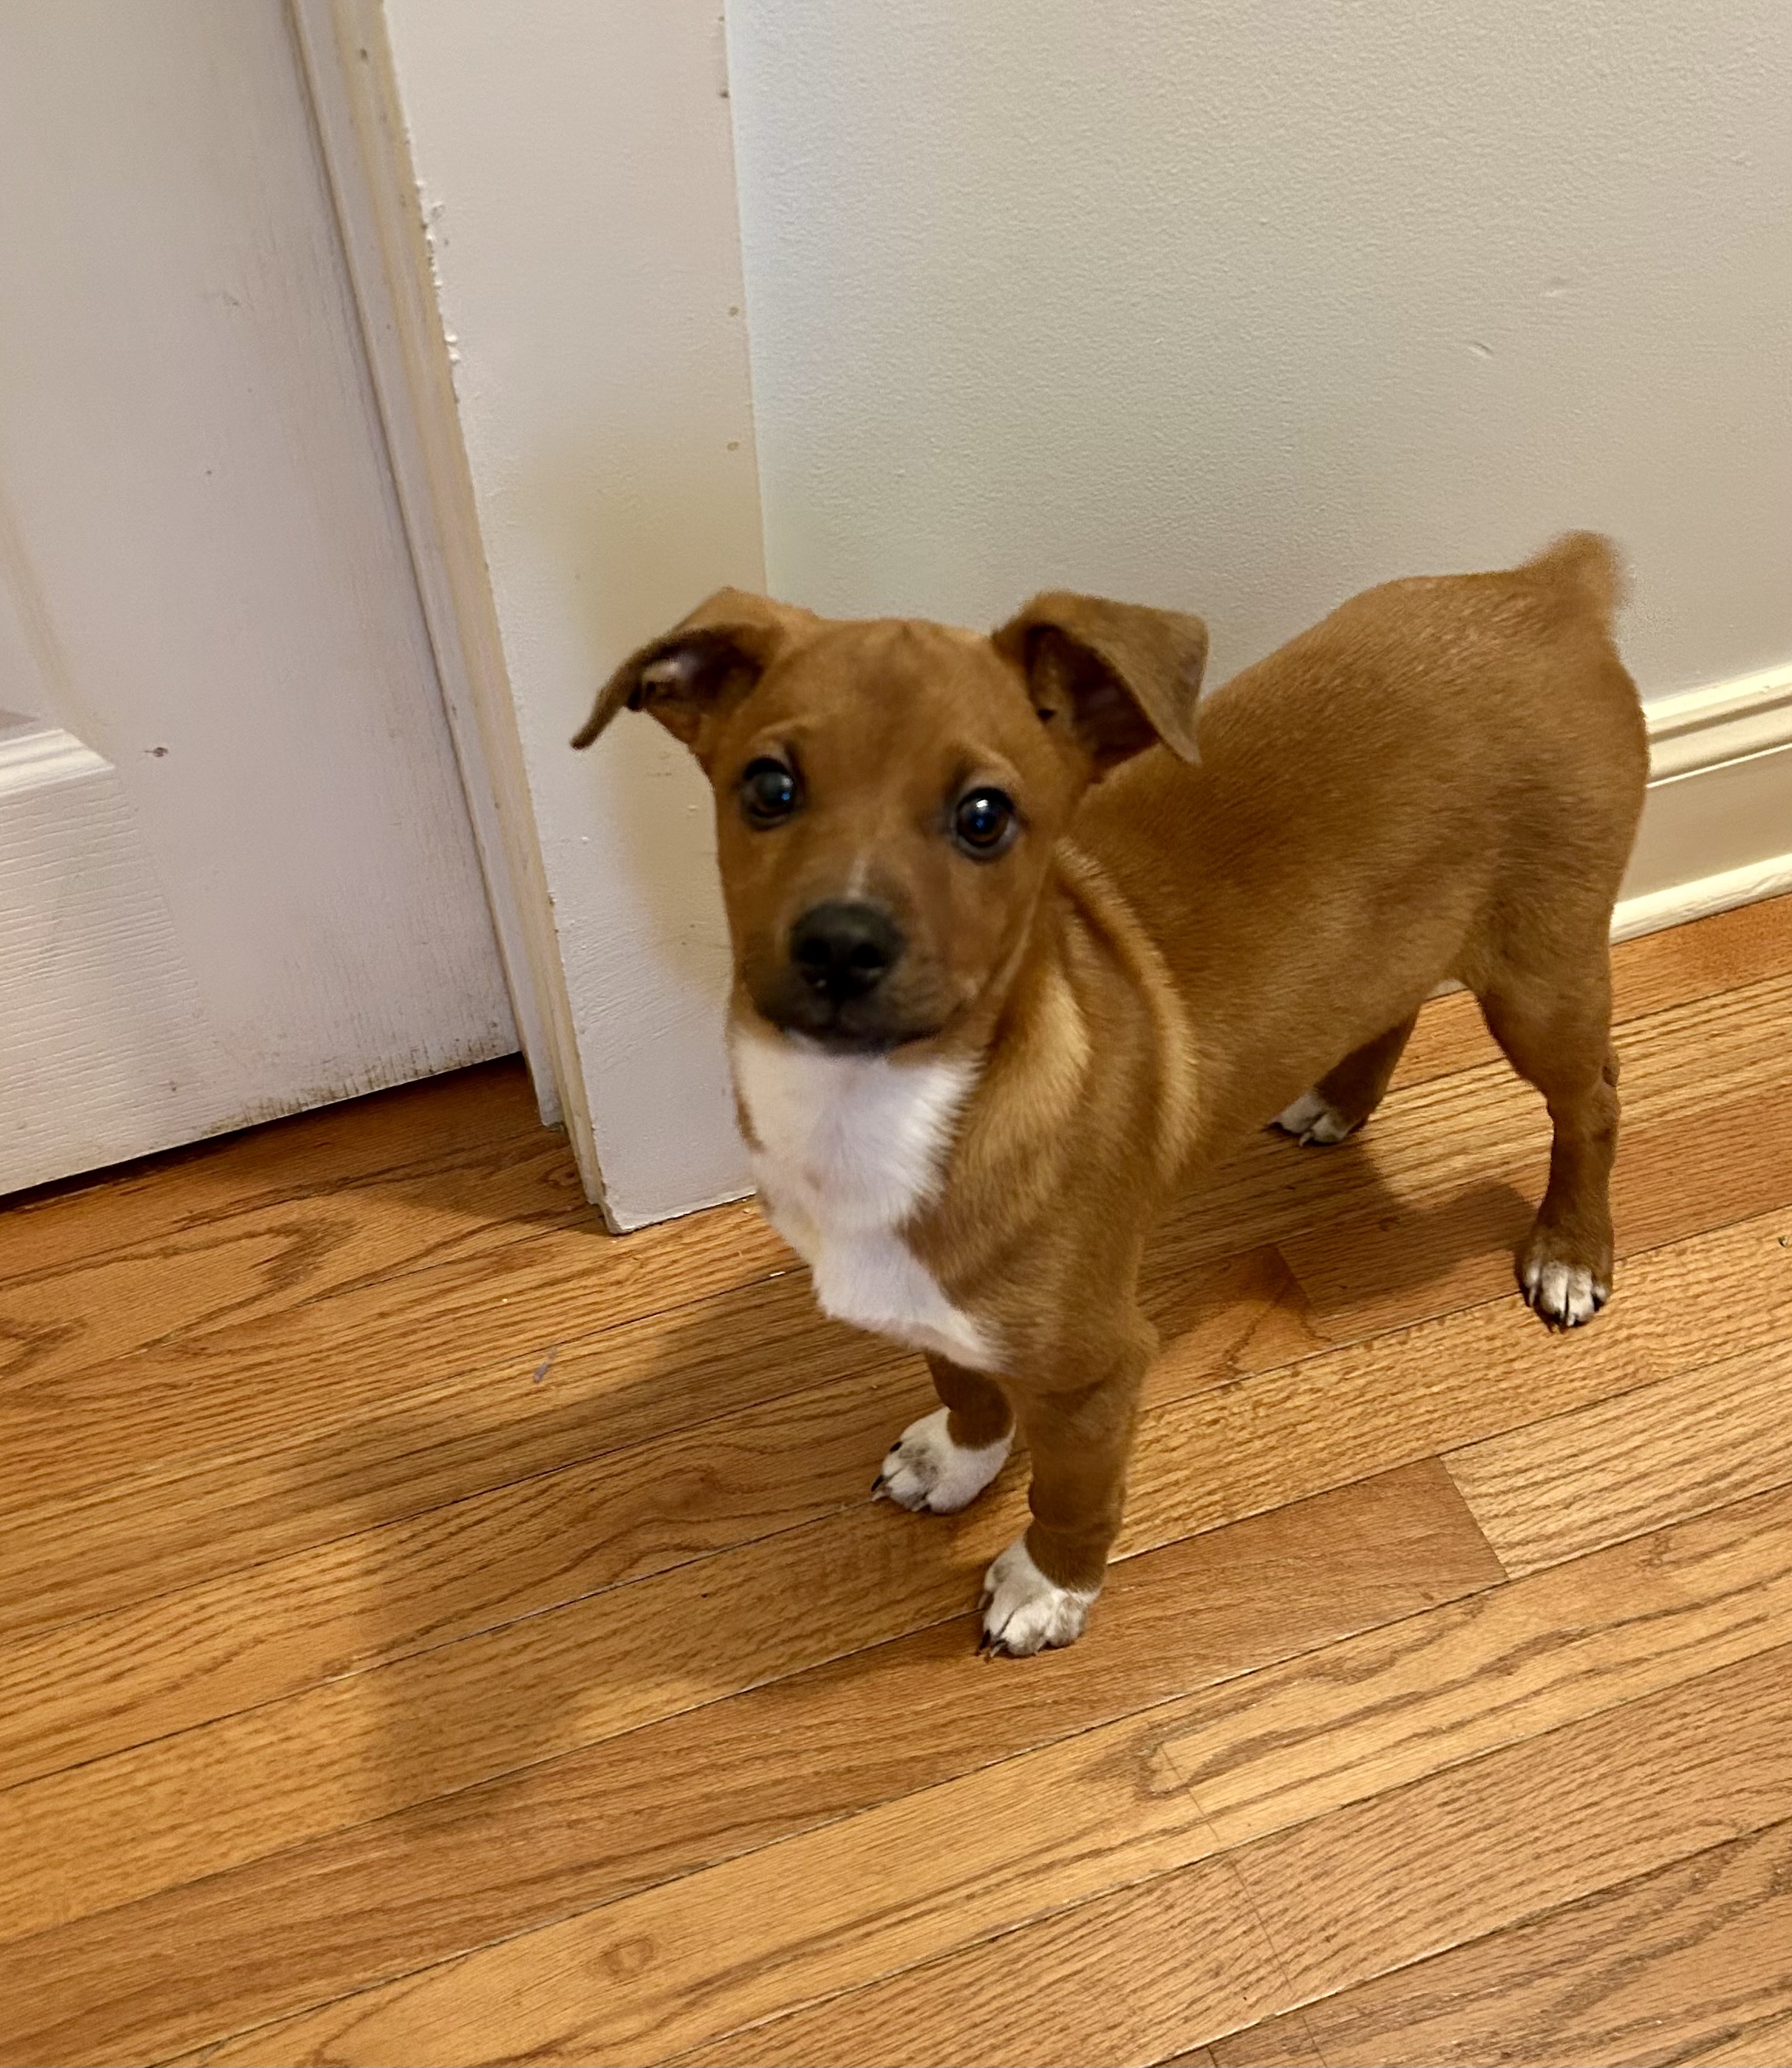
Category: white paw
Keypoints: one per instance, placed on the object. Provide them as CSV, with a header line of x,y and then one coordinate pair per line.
x,y
1564,1294
1312,1122
924,1468
1024,1612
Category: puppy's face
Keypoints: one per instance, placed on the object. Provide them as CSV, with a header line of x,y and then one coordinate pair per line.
x,y
888,794
886,804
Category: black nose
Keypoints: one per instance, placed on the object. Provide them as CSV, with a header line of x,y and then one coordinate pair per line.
x,y
844,949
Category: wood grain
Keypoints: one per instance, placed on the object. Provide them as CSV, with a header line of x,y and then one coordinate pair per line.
x,y
172,1412
307,1155
229,1389
702,1631
662,1971
1530,1826
1568,1484
1758,2043
1524,1829
1477,1126
316,1462
1688,1964
1476,1372
303,1925
96,1685
111,1680
240,1270
1283,2041
1404,1261
1381,1710
1117,1979
675,1371
227,1501
1723,1593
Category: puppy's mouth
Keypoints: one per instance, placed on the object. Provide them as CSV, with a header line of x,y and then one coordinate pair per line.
x,y
839,1031
866,1026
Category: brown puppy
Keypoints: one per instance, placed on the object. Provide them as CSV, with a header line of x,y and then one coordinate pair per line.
x,y
1023,940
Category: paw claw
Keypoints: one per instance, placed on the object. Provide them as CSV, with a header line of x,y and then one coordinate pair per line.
x,y
1563,1296
1024,1612
1313,1122
925,1471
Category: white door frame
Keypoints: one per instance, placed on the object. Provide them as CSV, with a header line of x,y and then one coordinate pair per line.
x,y
347,67
594,260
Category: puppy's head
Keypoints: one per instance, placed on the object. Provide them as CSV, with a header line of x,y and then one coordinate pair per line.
x,y
888,792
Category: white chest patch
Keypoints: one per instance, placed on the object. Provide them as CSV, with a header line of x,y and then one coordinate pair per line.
x,y
851,1147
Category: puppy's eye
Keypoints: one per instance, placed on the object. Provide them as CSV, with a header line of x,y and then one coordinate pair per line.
x,y
984,822
768,791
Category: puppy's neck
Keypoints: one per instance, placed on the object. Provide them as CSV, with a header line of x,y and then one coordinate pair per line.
x,y
848,1151
857,1141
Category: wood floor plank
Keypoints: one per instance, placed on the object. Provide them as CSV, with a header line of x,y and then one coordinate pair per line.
x,y
1558,1488
1538,1823
708,1629
231,1387
197,1411
316,1462
661,1971
1091,1985
1341,1724
143,1536
1474,1373
421,1627
1282,2041
1338,1726
233,1503
302,1926
1758,2043
239,1270
1526,1828
1721,952
121,1676
309,1155
1406,1260
360,1747
1686,1965
83,1690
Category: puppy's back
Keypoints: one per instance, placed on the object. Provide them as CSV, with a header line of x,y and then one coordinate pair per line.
x,y
1378,791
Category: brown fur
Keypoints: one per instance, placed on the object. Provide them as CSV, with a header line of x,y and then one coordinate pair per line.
x,y
1442,779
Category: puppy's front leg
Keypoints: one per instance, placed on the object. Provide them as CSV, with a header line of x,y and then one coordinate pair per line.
x,y
942,1462
1038,1593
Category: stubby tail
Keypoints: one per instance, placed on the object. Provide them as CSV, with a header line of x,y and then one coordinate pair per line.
x,y
1586,567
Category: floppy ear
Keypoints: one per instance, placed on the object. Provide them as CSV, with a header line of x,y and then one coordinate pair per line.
x,y
725,644
1115,677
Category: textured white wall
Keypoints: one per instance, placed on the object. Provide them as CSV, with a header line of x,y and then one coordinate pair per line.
x,y
1241,308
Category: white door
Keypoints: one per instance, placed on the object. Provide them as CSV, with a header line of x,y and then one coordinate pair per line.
x,y
236,872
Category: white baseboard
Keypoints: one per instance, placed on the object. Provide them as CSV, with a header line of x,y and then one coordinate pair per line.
x,y
1701,897
1717,823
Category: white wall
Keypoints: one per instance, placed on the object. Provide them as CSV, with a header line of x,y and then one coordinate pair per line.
x,y
1243,307
575,160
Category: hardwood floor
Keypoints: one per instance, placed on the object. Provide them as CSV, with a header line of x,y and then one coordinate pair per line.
x,y
433,1630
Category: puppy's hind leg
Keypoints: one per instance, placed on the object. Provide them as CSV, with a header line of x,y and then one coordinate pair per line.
x,y
1555,1023
1344,1098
